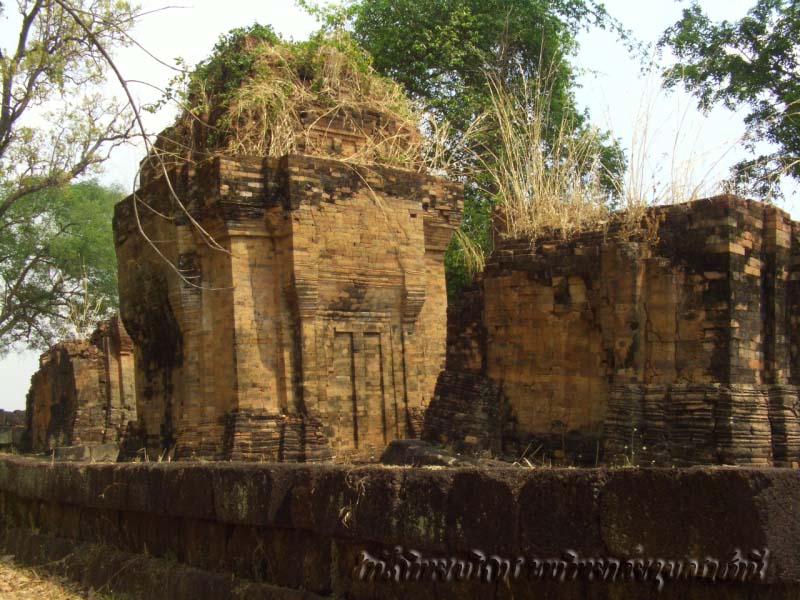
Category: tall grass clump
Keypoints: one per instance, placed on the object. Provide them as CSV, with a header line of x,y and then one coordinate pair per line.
x,y
547,178
681,172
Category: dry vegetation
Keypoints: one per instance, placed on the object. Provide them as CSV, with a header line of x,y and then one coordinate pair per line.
x,y
266,114
21,583
284,97
260,96
542,186
553,184
548,181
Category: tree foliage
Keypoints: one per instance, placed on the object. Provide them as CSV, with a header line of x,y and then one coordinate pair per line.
x,y
55,126
54,123
52,243
753,62
445,52
229,64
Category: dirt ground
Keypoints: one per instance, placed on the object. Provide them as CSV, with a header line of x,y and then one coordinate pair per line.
x,y
22,583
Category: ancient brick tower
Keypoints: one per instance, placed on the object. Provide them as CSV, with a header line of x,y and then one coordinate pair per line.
x,y
678,351
83,392
318,331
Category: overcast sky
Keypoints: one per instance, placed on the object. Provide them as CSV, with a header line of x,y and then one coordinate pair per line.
x,y
613,90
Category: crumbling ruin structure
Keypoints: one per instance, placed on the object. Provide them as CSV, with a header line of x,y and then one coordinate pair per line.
x,y
676,351
317,330
84,391
12,429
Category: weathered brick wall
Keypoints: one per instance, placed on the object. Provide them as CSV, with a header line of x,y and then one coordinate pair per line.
x,y
12,418
466,330
12,429
318,330
673,352
83,392
467,411
306,530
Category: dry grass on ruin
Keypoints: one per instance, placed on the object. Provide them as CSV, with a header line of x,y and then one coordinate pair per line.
x,y
265,114
291,93
541,185
550,181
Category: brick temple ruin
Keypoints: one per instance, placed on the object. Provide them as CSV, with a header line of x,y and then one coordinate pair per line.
x,y
677,352
317,332
12,430
83,392
292,307
282,280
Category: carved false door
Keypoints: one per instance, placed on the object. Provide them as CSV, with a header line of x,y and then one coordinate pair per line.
x,y
360,397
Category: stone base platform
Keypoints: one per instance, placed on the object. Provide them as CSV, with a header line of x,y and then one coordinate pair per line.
x,y
309,531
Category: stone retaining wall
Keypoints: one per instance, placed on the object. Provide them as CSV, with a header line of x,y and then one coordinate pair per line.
x,y
314,528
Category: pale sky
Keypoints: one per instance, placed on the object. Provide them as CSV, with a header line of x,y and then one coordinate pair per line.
x,y
613,90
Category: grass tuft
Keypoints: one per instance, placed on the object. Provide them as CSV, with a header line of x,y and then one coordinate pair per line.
x,y
548,179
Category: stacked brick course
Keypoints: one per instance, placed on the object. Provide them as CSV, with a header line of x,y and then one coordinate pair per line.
x,y
83,392
317,331
680,351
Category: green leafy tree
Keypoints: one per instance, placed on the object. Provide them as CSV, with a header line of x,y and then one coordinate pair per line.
x,y
752,62
53,244
445,51
56,126
54,123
